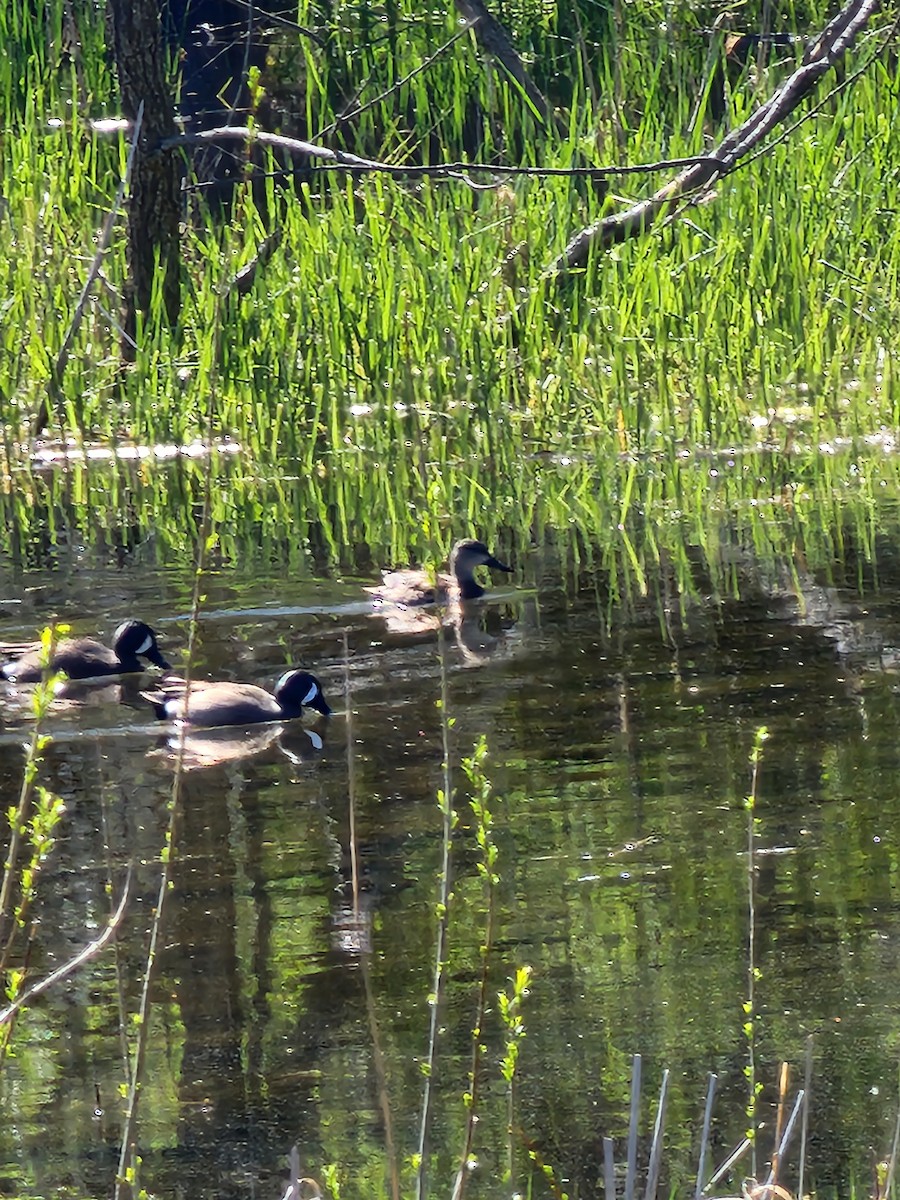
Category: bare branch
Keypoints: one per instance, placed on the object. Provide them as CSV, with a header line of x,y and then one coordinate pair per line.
x,y
493,38
822,54
292,145
339,160
68,968
358,109
243,280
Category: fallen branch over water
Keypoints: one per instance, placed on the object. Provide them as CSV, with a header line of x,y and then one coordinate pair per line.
x,y
822,53
341,160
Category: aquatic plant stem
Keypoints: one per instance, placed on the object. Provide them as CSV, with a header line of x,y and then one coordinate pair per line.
x,y
474,769
804,1124
9,917
125,1178
117,958
448,823
125,1175
750,1003
17,833
895,1146
365,949
351,778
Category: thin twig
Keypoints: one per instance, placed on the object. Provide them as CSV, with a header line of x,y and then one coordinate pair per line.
x,y
242,281
68,968
631,1161
704,1140
783,1077
283,22
781,1145
657,1144
352,114
440,949
735,1156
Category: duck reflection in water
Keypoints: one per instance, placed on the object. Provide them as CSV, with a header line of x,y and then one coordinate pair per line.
x,y
201,748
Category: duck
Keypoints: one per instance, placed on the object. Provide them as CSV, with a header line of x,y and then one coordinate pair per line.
x,y
413,587
208,705
87,657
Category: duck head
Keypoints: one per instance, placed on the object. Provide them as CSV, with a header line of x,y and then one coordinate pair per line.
x,y
134,639
298,689
465,556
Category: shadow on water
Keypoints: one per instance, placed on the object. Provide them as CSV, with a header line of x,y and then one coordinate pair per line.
x,y
619,708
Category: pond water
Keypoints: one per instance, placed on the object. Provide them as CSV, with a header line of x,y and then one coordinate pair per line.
x,y
285,1011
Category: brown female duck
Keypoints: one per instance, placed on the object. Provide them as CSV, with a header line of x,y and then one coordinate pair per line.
x,y
413,587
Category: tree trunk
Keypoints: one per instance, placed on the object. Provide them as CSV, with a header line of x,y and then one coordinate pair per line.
x,y
154,211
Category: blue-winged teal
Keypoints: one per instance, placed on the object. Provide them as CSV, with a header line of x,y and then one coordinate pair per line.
x,y
414,586
212,704
87,658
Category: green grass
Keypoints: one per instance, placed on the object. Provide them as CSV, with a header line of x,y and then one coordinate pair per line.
x,y
682,389
382,317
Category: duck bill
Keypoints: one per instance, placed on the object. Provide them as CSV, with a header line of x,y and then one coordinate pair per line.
x,y
497,565
153,655
321,705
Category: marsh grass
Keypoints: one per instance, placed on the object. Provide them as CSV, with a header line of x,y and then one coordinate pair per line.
x,y
380,321
667,532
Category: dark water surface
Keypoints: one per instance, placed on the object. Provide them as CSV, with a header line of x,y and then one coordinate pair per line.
x,y
619,759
